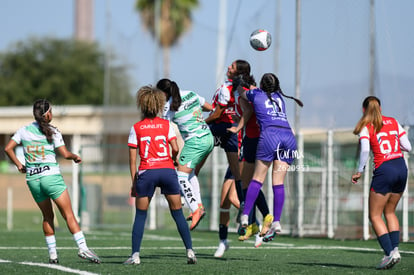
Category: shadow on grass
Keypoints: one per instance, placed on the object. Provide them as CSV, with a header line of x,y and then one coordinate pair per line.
x,y
331,265
167,257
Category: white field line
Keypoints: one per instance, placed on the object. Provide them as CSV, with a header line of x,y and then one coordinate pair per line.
x,y
267,246
53,266
270,245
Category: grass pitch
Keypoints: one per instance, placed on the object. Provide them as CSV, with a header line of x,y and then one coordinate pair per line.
x,y
162,252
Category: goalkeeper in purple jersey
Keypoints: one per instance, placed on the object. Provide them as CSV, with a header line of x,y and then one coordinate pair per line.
x,y
277,145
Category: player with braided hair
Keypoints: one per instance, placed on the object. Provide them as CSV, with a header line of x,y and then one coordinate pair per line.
x,y
39,140
277,145
251,134
223,117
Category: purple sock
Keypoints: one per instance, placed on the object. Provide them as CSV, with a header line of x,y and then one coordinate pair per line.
x,y
252,192
278,201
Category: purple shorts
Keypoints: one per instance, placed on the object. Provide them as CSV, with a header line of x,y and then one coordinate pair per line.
x,y
276,143
390,177
165,178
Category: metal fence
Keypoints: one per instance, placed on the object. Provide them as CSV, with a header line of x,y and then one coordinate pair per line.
x,y
320,198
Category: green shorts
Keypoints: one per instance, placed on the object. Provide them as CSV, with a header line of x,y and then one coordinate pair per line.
x,y
195,150
47,187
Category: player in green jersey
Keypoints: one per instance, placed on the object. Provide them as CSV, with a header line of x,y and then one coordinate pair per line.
x,y
185,108
39,140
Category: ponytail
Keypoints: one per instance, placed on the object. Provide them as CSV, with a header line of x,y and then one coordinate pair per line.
x,y
372,115
171,89
40,108
270,83
298,101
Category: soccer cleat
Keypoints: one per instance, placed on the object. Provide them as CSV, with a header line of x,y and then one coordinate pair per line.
x,y
190,217
267,223
191,258
223,247
259,240
53,261
196,217
133,260
53,258
251,230
396,255
244,222
387,262
272,232
89,255
269,236
277,227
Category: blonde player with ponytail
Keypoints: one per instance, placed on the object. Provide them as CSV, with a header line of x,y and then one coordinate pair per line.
x,y
387,139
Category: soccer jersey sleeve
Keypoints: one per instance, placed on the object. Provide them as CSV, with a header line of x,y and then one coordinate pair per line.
x,y
17,137
405,144
57,138
364,134
364,149
363,155
171,132
132,139
401,130
250,94
201,99
223,96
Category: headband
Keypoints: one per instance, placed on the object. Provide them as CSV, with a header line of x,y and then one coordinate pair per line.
x,y
44,104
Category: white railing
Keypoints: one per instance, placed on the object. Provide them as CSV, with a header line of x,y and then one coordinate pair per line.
x,y
320,200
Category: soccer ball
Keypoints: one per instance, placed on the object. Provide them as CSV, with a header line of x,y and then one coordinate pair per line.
x,y
260,40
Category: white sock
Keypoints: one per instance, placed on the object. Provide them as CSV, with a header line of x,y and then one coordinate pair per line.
x,y
51,246
80,240
196,186
187,190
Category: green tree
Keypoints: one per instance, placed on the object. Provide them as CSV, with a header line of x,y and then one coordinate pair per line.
x,y
64,71
175,20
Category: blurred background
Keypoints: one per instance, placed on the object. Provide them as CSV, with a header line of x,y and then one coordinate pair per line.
x,y
342,43
90,57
